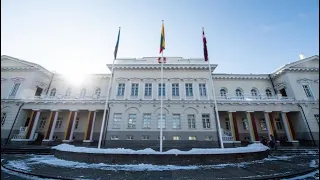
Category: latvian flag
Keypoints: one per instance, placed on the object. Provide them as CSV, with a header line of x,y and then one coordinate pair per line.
x,y
162,59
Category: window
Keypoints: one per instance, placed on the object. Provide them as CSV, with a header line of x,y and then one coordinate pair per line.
x,y
145,137
77,124
147,121
15,89
191,121
3,118
58,124
82,93
163,137
53,92
68,92
279,124
205,121
97,93
263,125
163,87
134,89
307,90
42,124
283,92
245,124
163,120
192,138
176,138
132,121
239,93
208,138
114,138
268,93
189,91
117,120
38,91
148,89
129,137
176,121
227,123
202,89
223,93
254,93
121,88
175,89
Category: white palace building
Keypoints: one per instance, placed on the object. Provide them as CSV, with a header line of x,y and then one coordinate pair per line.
x,y
42,107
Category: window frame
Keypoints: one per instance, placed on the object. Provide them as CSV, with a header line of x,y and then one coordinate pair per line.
x,y
15,89
117,121
164,121
206,121
261,123
132,124
307,90
189,89
148,89
175,89
163,89
203,89
176,122
146,123
134,89
121,89
3,118
192,121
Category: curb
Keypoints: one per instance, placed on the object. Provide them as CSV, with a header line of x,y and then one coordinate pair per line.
x,y
295,174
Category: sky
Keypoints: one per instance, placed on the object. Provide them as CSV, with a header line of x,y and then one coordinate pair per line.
x,y
79,36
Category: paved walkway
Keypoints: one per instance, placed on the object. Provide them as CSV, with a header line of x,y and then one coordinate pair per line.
x,y
272,167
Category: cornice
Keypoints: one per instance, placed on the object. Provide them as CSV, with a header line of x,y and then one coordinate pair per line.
x,y
240,76
165,66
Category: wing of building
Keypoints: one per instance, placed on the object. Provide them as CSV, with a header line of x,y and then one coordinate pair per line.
x,y
42,107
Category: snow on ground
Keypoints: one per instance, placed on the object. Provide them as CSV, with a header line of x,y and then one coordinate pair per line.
x,y
313,163
257,147
311,175
20,165
53,161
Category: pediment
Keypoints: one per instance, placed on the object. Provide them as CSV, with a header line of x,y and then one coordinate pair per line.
x,y
6,62
314,63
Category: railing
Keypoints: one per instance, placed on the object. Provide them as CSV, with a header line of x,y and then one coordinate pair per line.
x,y
226,135
18,136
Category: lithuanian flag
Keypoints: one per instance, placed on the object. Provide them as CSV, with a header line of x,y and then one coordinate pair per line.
x,y
162,40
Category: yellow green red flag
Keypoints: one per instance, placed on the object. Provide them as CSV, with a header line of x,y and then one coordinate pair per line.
x,y
162,40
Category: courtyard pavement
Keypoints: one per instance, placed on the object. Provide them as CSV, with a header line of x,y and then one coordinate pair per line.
x,y
47,165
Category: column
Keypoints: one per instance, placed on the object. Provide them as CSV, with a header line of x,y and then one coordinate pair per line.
x,y
272,116
90,124
234,128
70,126
268,124
51,125
287,126
32,126
252,126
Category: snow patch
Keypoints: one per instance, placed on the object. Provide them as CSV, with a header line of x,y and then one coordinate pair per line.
x,y
51,160
19,165
257,147
313,163
21,175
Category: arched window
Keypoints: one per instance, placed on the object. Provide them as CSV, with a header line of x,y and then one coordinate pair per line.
x,y
268,93
223,92
254,93
98,92
53,92
68,92
239,93
82,93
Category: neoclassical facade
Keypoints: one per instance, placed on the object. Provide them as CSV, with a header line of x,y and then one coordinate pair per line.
x,y
42,107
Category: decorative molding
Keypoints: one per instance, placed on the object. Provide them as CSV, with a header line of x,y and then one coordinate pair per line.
x,y
41,84
240,76
3,80
305,80
280,85
17,79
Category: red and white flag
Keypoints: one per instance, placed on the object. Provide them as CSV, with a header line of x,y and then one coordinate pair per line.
x,y
205,50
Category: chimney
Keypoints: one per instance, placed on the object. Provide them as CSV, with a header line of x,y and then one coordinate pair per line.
x,y
301,56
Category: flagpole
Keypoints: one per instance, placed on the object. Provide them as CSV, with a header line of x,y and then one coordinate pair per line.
x,y
107,100
215,102
161,101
